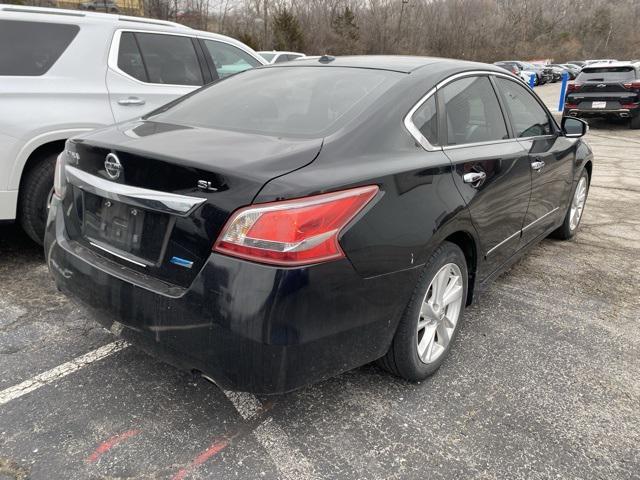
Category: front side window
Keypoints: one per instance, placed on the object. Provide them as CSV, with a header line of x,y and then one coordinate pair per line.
x,y
282,58
229,59
426,120
296,101
31,48
472,111
529,119
156,58
267,56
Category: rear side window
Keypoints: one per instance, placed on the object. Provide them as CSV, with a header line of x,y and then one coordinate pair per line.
x,y
282,58
606,74
229,59
426,120
528,117
156,58
31,48
472,111
130,58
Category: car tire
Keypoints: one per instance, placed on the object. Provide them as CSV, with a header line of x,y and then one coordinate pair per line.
x,y
35,192
579,195
635,122
424,319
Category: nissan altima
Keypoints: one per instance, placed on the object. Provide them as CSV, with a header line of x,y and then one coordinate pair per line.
x,y
296,221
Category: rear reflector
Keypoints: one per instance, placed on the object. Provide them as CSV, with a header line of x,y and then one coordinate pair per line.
x,y
293,232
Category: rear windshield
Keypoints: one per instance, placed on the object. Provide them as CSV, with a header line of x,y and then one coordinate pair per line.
x,y
31,48
606,74
282,101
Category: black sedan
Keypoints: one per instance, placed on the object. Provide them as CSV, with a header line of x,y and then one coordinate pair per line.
x,y
295,221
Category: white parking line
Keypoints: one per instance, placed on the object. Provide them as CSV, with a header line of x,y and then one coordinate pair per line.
x,y
60,371
289,460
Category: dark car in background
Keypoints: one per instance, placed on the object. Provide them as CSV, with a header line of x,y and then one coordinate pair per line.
x,y
108,6
606,90
543,74
268,244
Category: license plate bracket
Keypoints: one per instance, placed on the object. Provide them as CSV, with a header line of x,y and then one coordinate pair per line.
x,y
124,228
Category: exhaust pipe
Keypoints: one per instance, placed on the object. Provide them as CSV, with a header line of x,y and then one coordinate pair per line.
x,y
624,115
573,114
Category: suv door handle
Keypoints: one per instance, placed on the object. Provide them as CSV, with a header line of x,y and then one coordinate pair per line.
x,y
474,178
131,101
537,166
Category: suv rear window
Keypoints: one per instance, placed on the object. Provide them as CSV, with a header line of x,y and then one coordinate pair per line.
x,y
286,101
606,74
31,48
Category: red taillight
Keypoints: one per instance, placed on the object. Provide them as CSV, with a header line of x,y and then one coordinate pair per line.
x,y
293,232
629,105
573,87
632,85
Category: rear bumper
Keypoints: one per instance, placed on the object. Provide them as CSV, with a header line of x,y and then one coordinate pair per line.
x,y
247,326
619,112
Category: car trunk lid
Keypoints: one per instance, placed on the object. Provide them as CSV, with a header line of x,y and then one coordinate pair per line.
x,y
153,197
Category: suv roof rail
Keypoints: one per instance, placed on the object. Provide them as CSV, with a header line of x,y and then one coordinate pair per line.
x,y
124,18
48,11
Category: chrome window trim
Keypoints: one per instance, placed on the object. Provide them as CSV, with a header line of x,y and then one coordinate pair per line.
x,y
163,202
417,135
415,131
540,218
112,60
479,144
104,249
510,237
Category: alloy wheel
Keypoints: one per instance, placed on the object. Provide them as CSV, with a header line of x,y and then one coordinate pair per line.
x,y
577,204
439,313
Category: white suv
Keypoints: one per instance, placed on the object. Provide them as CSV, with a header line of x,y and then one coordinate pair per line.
x,y
64,72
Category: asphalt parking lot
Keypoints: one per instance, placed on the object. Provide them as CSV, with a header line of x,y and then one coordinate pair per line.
x,y
543,383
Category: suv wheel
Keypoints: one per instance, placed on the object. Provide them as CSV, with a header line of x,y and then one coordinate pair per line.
x,y
35,193
432,318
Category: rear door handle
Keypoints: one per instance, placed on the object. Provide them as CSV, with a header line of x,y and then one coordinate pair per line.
x,y
537,166
474,178
131,101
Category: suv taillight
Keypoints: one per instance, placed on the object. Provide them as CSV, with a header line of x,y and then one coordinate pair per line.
x,y
632,85
573,87
293,232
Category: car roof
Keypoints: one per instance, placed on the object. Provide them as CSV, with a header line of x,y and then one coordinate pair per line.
x,y
115,21
610,64
397,63
275,52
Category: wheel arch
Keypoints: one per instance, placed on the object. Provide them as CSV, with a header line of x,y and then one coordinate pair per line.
x,y
588,166
467,243
33,150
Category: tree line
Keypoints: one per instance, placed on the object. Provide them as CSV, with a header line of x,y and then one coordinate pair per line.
x,y
483,30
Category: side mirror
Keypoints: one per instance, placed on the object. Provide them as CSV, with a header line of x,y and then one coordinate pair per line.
x,y
574,127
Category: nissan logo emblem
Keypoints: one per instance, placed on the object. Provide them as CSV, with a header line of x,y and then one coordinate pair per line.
x,y
112,166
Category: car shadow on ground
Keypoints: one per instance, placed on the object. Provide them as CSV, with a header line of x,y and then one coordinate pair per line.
x,y
608,123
